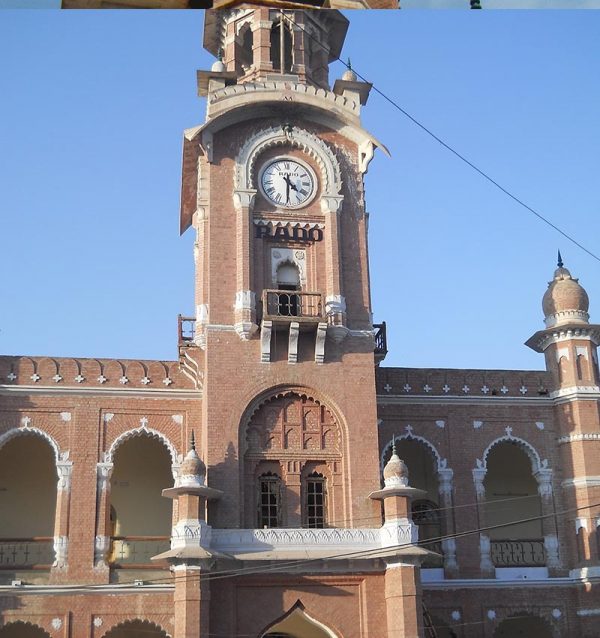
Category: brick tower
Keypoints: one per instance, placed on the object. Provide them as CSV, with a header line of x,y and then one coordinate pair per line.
x,y
284,342
569,344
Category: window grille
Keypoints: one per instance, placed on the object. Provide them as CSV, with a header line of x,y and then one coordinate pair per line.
x,y
269,500
315,500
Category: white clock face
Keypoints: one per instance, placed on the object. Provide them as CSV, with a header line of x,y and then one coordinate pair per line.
x,y
287,183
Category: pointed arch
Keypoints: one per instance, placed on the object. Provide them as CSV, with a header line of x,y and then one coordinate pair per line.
x,y
11,434
441,464
297,615
142,431
137,624
537,463
22,629
301,139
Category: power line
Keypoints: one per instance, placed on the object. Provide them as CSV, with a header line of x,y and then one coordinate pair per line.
x,y
448,147
359,554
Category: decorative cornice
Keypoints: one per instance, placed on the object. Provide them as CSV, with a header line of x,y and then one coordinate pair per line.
x,y
436,399
117,391
576,393
544,338
581,436
582,481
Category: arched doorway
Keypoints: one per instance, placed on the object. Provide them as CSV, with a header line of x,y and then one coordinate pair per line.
x,y
137,629
292,459
523,627
298,624
511,494
140,517
28,482
426,512
21,629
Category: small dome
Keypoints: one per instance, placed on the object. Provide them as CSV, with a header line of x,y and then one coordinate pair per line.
x,y
349,76
565,301
192,470
395,472
218,67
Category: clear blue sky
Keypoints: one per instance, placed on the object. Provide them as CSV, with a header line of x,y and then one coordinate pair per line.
x,y
93,109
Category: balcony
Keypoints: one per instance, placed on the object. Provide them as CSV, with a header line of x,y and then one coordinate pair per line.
x,y
519,553
284,306
380,336
186,330
135,552
26,553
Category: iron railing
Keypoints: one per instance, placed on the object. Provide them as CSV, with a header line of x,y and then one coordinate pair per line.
x,y
293,305
186,329
135,552
27,553
518,553
380,339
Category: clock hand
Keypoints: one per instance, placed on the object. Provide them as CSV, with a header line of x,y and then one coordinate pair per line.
x,y
287,188
289,183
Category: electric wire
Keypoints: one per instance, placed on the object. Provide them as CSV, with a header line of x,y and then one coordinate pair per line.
x,y
360,554
448,147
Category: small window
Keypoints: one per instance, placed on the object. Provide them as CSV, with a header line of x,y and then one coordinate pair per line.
x,y
315,500
276,55
288,280
269,500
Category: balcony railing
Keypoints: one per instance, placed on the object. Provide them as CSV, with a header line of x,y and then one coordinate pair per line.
x,y
27,553
186,329
135,552
292,305
380,341
521,553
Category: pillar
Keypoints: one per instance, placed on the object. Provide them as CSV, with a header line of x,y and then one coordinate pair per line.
x,y
403,600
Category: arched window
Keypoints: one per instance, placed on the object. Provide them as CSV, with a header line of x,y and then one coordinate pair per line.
x,y
269,500
245,46
27,502
315,511
288,279
511,494
279,56
140,517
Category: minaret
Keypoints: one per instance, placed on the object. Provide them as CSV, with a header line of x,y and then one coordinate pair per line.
x,y
190,556
402,586
569,344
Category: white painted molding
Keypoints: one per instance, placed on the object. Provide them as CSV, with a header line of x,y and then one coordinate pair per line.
x,y
320,342
265,341
582,481
576,392
581,523
61,549
313,146
141,431
293,342
582,436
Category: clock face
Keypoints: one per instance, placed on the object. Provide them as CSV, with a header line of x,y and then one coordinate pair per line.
x,y
287,183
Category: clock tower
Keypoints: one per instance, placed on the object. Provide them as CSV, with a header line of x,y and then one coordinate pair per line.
x,y
283,346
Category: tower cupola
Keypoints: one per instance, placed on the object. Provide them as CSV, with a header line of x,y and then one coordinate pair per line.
x,y
263,44
565,300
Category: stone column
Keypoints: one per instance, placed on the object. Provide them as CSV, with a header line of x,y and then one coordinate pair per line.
x,y
544,480
103,526
485,563
64,468
445,476
335,303
191,601
245,298
403,601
